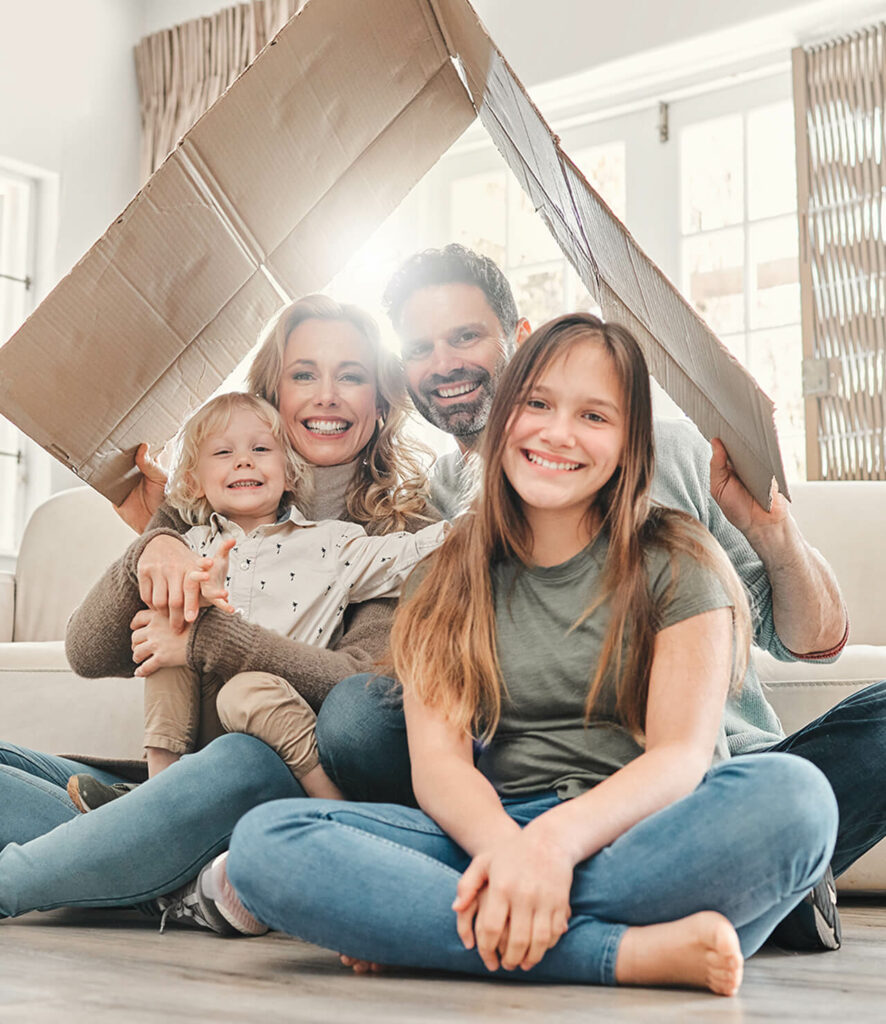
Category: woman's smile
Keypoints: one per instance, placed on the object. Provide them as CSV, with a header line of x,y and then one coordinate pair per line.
x,y
327,392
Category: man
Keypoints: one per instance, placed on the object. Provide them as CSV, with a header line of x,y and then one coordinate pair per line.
x,y
458,325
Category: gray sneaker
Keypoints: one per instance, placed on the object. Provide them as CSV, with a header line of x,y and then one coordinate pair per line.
x,y
814,924
222,913
87,792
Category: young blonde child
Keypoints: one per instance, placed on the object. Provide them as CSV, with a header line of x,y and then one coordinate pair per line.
x,y
237,480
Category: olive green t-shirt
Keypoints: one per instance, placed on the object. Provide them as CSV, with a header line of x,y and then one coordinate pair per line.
x,y
542,742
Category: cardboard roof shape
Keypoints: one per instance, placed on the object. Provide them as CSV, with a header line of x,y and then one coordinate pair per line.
x,y
296,164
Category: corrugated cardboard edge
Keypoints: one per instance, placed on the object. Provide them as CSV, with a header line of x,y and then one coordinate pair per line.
x,y
687,359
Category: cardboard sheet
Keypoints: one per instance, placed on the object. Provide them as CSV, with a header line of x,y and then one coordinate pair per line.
x,y
686,358
266,196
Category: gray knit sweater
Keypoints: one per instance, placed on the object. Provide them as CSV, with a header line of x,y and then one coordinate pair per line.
x,y
97,642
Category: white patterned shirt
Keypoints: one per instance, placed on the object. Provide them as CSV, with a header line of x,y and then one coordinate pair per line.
x,y
297,576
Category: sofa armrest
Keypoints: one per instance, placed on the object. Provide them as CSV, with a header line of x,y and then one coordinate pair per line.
x,y
45,706
802,690
7,605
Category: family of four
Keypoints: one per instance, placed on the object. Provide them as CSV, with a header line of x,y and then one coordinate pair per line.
x,y
551,760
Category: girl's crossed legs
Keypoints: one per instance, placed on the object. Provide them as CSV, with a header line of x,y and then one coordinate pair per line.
x,y
377,881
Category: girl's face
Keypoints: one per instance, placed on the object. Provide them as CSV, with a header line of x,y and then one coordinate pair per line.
x,y
327,392
566,440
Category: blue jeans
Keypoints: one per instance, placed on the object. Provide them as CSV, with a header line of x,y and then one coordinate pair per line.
x,y
362,739
377,881
147,843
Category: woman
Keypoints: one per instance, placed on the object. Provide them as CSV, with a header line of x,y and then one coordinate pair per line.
x,y
587,642
343,404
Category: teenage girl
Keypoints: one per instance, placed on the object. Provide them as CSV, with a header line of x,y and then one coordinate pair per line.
x,y
584,641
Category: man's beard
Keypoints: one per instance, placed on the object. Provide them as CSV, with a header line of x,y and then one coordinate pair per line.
x,y
464,420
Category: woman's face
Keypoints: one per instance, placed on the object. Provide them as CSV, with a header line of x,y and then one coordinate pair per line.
x,y
566,440
327,393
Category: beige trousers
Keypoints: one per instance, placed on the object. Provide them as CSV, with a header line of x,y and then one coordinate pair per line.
x,y
180,713
184,712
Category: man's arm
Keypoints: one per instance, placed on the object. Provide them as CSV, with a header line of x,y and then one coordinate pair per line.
x,y
795,599
807,608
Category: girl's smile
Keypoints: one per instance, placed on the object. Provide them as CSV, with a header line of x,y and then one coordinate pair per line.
x,y
564,443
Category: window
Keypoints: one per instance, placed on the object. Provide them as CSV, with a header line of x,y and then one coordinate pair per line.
x,y
490,213
17,197
714,206
739,251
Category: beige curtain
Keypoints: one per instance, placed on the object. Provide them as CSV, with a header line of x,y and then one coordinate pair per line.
x,y
183,70
839,94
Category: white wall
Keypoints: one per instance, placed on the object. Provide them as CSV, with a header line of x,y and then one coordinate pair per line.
x,y
69,114
574,35
69,107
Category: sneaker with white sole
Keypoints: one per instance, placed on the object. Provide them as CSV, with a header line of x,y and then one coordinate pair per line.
x,y
87,792
814,924
209,901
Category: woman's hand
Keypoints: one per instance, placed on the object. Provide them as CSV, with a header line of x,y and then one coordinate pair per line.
x,y
513,901
171,579
155,644
146,497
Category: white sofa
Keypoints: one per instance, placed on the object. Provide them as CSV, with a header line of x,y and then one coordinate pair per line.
x,y
74,535
68,542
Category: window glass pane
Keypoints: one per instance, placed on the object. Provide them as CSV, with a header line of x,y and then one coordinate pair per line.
x,y
772,179
774,274
9,474
15,213
479,213
529,240
713,278
737,345
711,174
604,167
539,291
14,227
578,298
775,360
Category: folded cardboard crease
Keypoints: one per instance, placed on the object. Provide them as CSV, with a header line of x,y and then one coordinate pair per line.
x,y
266,196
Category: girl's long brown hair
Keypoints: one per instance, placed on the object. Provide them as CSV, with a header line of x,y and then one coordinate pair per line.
x,y
443,642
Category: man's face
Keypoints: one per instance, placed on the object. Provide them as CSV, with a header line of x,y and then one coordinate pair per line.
x,y
454,351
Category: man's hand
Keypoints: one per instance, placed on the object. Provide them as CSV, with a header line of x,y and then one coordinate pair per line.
x,y
155,644
738,504
146,497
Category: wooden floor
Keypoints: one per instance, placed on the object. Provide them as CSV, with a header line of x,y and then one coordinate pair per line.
x,y
96,966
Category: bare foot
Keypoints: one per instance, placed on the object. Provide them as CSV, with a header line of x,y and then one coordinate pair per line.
x,y
361,966
699,951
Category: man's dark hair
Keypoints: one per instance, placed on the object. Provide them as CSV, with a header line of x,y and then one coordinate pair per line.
x,y
453,264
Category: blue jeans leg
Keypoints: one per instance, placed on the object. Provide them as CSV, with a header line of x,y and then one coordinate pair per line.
x,y
361,736
32,791
848,744
150,841
377,881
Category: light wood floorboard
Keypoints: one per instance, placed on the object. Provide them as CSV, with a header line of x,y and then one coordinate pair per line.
x,y
98,966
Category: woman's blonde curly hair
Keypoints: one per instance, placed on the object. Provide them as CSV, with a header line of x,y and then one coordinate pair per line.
x,y
183,487
390,484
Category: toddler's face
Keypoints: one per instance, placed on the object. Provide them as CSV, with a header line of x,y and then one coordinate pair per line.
x,y
241,470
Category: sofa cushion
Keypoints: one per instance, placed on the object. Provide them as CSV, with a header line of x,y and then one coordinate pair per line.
x,y
44,706
68,543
